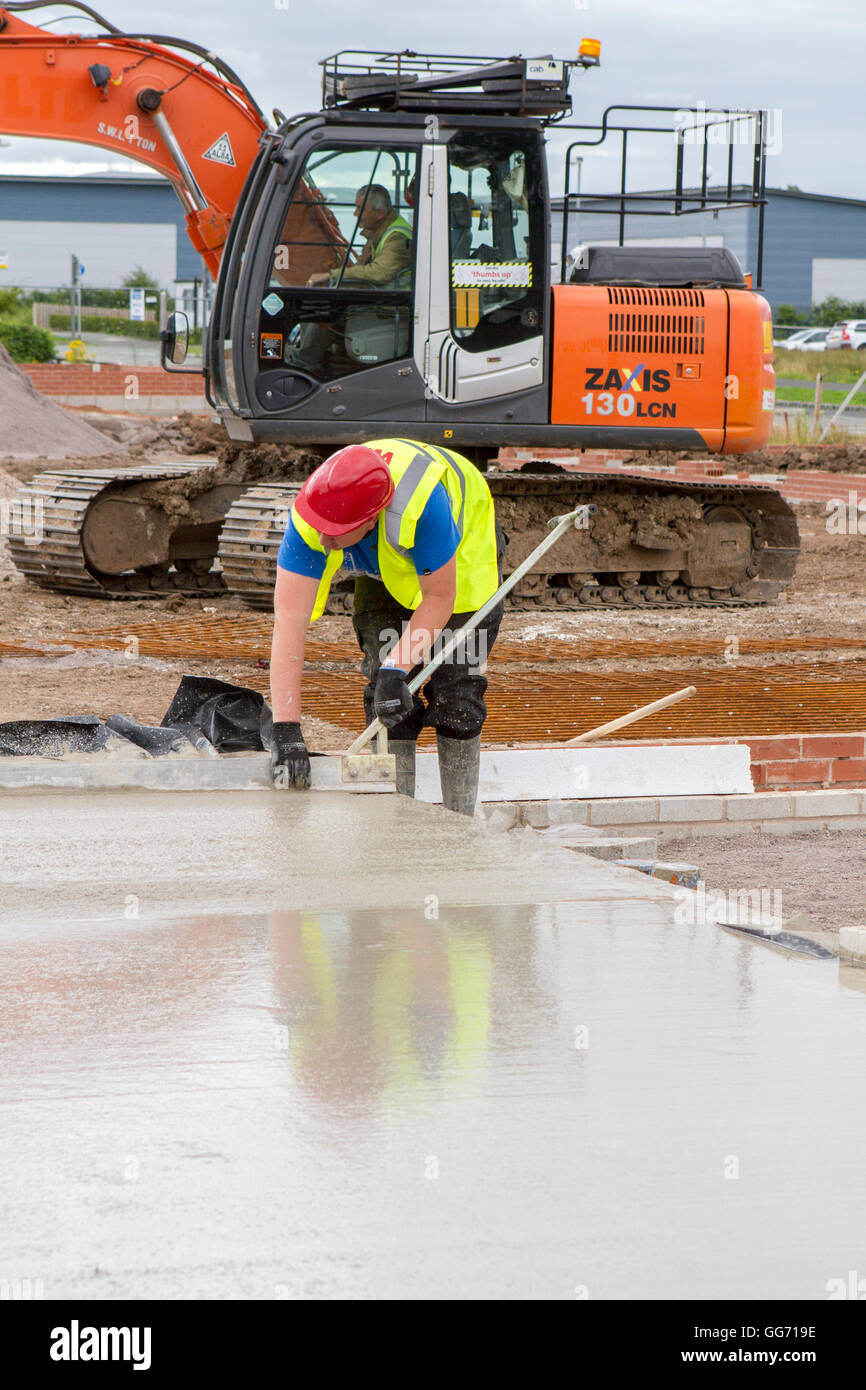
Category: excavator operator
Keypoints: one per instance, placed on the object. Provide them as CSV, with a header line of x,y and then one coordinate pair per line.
x,y
384,263
416,524
387,255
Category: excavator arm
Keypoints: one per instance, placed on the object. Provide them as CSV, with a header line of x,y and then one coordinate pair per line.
x,y
149,97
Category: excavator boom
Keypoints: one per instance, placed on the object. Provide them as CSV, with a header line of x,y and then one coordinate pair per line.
x,y
140,96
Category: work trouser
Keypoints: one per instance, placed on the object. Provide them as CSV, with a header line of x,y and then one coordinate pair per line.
x,y
452,701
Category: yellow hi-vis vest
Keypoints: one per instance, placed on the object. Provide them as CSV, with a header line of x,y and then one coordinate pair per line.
x,y
416,469
404,279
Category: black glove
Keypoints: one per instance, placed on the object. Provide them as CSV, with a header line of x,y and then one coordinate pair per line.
x,y
290,761
392,699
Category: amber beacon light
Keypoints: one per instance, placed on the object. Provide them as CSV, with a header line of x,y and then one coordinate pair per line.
x,y
589,53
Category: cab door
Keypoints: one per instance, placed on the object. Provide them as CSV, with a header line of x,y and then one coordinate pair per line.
x,y
484,340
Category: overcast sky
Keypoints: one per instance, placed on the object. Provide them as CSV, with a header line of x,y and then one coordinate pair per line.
x,y
801,59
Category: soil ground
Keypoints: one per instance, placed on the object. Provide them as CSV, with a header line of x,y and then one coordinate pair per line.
x,y
818,874
826,599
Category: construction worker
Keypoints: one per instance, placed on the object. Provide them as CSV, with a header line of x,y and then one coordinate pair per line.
x,y
415,523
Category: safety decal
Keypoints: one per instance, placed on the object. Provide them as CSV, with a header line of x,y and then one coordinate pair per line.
x,y
473,274
272,304
221,151
769,400
271,346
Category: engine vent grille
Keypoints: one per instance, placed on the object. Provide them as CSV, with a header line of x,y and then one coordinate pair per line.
x,y
681,335
669,298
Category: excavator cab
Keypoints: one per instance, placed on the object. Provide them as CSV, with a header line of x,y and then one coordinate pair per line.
x,y
306,331
464,340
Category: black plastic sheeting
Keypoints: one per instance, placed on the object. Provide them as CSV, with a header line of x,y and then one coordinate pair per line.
x,y
205,713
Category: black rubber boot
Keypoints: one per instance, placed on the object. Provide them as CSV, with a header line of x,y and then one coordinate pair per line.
x,y
404,752
459,765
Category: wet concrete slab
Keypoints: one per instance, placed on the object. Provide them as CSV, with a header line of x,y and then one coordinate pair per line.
x,y
273,1051
65,854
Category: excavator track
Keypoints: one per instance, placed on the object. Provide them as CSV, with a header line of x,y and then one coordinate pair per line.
x,y
651,543
50,548
756,516
250,539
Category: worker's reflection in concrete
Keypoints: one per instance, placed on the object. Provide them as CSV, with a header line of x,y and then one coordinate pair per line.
x,y
376,1003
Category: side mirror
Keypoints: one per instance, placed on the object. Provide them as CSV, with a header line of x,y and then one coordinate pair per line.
x,y
174,339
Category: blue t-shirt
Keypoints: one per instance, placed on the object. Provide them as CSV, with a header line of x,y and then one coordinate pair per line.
x,y
436,540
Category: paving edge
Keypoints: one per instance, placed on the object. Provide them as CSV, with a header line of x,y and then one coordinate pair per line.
x,y
672,817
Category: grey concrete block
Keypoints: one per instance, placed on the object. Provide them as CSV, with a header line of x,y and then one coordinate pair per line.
x,y
801,827
681,875
852,943
678,830
618,847
540,814
567,812
502,815
691,808
826,803
760,806
623,810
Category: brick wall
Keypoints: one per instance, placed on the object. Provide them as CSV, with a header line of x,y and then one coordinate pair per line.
x,y
108,379
808,760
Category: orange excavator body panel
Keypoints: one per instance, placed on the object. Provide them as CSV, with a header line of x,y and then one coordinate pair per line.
x,y
753,378
629,356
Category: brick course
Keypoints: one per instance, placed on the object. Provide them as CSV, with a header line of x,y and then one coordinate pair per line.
x,y
110,379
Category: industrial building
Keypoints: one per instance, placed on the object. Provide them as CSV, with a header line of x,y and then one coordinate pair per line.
x,y
111,223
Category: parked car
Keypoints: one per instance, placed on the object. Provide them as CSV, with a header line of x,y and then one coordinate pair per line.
x,y
849,333
813,340
792,338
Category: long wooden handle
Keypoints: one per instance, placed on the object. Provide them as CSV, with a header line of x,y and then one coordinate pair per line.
x,y
632,718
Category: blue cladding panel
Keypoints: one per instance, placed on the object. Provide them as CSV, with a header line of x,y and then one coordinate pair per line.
x,y
799,229
100,200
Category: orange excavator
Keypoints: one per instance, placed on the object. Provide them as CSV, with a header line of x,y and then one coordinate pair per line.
x,y
478,344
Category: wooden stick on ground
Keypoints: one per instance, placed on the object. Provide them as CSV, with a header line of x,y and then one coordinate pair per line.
x,y
632,718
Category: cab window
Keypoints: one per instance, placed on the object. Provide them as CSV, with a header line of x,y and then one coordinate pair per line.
x,y
340,293
496,240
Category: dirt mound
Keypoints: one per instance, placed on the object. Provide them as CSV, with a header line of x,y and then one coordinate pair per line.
x,y
265,462
834,458
31,425
143,435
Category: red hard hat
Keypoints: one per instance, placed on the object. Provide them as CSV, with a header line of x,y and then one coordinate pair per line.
x,y
349,488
